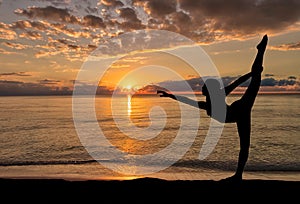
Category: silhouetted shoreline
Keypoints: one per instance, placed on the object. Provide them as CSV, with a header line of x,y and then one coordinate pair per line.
x,y
149,189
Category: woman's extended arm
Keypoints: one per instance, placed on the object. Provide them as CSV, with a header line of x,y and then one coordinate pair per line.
x,y
236,83
183,99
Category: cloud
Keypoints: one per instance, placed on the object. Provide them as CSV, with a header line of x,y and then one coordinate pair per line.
x,y
210,20
150,89
16,46
62,29
48,81
269,82
54,87
82,88
130,18
50,13
5,52
15,74
158,8
93,21
285,47
292,78
113,3
15,88
202,20
59,15
6,33
197,83
24,24
32,35
70,49
244,16
269,75
290,81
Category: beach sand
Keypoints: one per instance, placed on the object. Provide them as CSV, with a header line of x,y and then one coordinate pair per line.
x,y
147,190
90,182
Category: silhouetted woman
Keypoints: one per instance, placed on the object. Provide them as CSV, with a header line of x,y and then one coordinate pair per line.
x,y
238,112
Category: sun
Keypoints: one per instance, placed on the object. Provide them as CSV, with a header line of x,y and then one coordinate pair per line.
x,y
129,87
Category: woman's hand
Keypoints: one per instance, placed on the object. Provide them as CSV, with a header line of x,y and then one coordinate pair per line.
x,y
163,93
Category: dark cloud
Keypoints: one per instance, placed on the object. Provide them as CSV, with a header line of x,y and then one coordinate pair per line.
x,y
50,13
86,89
3,82
269,82
292,78
290,81
57,15
286,82
15,88
93,21
131,19
210,20
182,19
128,14
175,85
203,21
51,87
245,16
289,46
103,90
158,8
150,89
14,74
48,81
197,83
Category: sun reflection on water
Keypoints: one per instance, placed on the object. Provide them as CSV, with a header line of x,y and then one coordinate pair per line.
x,y
129,110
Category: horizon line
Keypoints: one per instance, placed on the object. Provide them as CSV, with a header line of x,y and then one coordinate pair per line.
x,y
154,94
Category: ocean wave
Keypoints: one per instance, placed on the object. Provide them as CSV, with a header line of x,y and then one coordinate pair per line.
x,y
30,163
189,164
231,165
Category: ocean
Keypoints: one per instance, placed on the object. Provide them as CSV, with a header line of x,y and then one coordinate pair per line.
x,y
39,138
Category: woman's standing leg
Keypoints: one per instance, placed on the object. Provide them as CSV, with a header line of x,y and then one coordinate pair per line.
x,y
242,109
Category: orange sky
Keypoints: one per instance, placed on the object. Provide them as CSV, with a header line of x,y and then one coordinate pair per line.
x,y
43,44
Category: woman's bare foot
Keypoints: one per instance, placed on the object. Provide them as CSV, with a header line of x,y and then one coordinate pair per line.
x,y
263,44
232,179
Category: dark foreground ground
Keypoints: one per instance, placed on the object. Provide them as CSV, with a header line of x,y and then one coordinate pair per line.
x,y
148,190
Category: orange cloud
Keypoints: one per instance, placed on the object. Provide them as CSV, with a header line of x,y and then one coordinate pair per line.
x,y
16,46
6,33
285,47
32,35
